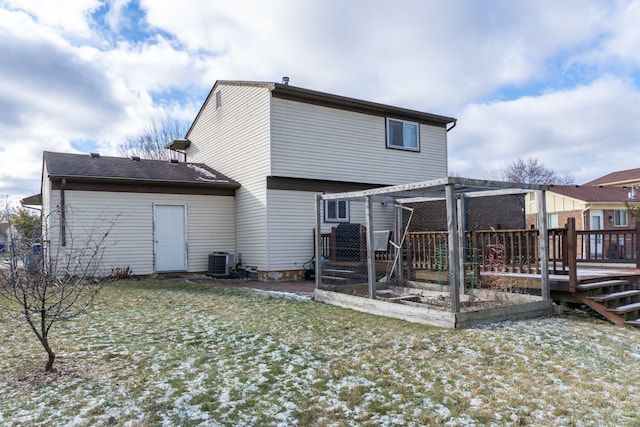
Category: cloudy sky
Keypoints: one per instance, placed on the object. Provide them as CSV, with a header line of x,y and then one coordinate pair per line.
x,y
555,80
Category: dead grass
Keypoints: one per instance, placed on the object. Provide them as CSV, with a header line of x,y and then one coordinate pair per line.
x,y
176,353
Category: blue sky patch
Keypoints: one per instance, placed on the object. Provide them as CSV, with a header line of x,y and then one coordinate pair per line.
x,y
84,145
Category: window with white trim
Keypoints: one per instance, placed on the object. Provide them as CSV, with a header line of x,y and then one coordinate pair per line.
x,y
336,211
552,220
620,218
403,135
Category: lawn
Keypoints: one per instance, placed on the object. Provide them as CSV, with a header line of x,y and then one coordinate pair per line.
x,y
176,353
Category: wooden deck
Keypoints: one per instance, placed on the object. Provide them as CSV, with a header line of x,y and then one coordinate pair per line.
x,y
560,282
582,264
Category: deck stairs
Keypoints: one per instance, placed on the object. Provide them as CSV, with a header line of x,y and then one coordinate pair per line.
x,y
618,300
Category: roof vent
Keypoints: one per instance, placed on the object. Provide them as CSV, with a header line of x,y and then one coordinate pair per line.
x,y
174,161
135,158
285,80
95,155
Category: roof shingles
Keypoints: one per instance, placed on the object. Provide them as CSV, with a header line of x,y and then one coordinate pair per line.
x,y
590,193
89,168
625,176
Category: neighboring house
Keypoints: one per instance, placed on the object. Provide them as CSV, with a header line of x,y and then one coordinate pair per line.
x,y
285,144
593,207
161,216
280,146
626,178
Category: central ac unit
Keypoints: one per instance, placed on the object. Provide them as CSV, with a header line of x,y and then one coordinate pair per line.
x,y
220,264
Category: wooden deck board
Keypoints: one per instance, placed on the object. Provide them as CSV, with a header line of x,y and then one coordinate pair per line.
x,y
616,295
625,308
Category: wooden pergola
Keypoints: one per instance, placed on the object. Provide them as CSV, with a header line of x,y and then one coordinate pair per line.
x,y
454,191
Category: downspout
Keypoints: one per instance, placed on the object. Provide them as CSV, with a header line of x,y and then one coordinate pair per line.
x,y
63,219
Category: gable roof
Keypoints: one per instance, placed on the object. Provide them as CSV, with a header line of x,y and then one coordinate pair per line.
x,y
96,168
593,194
286,91
628,176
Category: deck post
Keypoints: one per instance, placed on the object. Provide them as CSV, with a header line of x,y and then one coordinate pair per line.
x,y
637,248
371,255
572,254
452,228
461,227
543,243
318,240
398,234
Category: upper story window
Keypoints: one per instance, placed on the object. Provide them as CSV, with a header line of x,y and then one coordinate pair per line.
x,y
403,135
620,218
336,211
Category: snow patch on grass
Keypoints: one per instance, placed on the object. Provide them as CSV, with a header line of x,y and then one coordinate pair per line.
x,y
170,353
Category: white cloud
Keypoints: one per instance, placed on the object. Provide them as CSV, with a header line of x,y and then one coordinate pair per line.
x,y
67,16
587,131
547,79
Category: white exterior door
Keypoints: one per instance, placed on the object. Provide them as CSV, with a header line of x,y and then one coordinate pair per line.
x,y
170,243
596,222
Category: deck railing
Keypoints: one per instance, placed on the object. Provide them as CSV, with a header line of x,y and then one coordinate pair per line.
x,y
489,250
610,246
516,251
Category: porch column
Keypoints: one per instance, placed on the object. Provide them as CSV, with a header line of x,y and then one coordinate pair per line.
x,y
543,243
452,228
371,254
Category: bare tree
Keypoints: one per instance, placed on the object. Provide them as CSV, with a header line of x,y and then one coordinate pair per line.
x,y
531,171
43,286
150,142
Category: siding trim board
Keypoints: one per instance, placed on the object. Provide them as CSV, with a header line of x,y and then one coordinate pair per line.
x,y
149,187
316,185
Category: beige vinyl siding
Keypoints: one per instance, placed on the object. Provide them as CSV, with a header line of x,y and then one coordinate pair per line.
x,y
555,203
292,221
316,142
234,140
210,225
558,203
290,229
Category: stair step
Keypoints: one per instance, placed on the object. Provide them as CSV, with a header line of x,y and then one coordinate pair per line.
x,y
625,308
603,284
615,295
633,322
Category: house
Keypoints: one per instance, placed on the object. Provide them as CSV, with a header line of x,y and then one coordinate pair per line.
x,y
160,216
286,144
625,178
275,147
593,207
